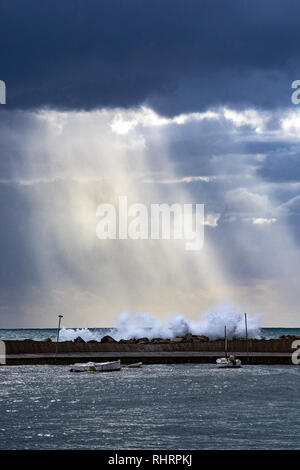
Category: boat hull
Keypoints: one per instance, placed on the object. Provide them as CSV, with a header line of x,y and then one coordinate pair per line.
x,y
225,363
135,365
97,367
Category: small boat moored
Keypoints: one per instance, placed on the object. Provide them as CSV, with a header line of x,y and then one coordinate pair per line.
x,y
96,366
228,361
131,366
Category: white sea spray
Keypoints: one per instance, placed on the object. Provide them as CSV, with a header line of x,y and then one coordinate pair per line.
x,y
138,325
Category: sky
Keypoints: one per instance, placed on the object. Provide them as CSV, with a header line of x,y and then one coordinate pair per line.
x,y
162,101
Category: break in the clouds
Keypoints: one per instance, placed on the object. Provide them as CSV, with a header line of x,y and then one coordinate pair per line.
x,y
172,55
161,101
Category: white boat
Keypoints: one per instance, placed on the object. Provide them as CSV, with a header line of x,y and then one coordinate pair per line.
x,y
228,361
96,366
136,364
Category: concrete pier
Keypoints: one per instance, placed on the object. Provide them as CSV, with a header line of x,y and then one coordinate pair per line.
x,y
147,358
28,352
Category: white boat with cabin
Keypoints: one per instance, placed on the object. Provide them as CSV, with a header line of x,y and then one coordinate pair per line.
x,y
229,361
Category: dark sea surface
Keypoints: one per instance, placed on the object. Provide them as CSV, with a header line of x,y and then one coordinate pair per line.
x,y
184,406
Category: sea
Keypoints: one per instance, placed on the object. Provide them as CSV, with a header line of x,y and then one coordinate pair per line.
x,y
39,334
164,406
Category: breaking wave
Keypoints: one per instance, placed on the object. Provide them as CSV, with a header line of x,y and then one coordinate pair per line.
x,y
211,324
69,334
139,325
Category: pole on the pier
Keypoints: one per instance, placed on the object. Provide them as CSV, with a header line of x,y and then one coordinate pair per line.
x,y
57,339
246,329
225,338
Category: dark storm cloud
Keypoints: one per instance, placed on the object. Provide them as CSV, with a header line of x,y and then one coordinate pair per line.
x,y
203,148
177,56
282,167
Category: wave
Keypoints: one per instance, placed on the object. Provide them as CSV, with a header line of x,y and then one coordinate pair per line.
x,y
211,324
69,334
139,325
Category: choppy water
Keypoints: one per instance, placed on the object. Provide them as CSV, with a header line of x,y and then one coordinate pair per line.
x,y
39,334
97,333
187,406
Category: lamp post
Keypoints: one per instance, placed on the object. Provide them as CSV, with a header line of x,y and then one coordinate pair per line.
x,y
246,331
58,329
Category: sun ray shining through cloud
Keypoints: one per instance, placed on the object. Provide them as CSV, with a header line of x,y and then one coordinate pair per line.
x,y
70,162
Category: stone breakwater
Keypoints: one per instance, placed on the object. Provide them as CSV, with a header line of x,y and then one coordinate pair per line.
x,y
186,344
